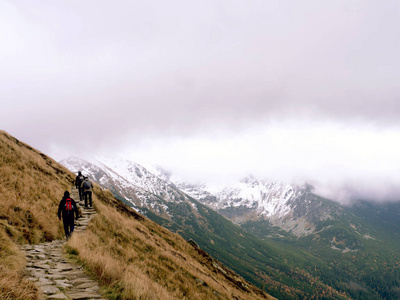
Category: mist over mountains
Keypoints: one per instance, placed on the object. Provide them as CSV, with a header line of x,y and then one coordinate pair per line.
x,y
271,200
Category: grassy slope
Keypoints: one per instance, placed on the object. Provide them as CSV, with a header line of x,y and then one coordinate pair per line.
x,y
371,268
131,256
30,188
284,271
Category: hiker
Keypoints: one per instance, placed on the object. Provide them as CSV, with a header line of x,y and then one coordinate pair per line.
x,y
87,188
67,208
78,181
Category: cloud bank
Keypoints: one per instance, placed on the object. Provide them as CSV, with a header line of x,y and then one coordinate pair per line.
x,y
287,89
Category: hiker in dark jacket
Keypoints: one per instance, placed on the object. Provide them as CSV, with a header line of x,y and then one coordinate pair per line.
x,y
87,188
67,208
78,181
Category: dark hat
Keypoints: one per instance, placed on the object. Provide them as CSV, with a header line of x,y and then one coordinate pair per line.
x,y
79,173
66,194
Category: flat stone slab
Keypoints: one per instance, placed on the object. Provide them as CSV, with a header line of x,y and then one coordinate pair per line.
x,y
63,284
41,265
84,295
57,296
63,267
43,282
89,285
81,280
50,289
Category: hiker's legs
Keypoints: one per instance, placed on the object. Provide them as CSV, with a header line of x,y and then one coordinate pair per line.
x,y
66,227
90,198
80,193
68,221
71,225
86,198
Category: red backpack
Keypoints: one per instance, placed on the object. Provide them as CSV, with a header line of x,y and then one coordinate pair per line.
x,y
68,205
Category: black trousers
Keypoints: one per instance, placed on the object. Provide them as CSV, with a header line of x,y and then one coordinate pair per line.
x,y
68,221
80,193
88,195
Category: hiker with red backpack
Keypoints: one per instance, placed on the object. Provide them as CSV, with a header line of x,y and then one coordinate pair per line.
x,y
67,208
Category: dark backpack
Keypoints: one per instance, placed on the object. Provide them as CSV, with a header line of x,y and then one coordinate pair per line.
x,y
68,205
87,184
80,179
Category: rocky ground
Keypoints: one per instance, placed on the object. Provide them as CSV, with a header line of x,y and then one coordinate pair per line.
x,y
54,274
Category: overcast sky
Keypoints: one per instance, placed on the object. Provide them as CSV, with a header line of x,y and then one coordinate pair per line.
x,y
211,89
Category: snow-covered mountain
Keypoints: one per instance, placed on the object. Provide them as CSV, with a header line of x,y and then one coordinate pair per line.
x,y
289,206
131,183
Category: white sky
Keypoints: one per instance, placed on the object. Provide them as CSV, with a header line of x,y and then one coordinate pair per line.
x,y
211,89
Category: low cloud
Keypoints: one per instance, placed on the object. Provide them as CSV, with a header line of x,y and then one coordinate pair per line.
x,y
343,163
284,89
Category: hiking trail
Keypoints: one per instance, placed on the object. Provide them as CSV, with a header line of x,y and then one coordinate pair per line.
x,y
54,274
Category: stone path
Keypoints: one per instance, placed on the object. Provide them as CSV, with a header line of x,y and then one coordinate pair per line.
x,y
54,274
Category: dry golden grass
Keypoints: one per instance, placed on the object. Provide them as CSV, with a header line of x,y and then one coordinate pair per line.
x,y
31,186
13,286
131,256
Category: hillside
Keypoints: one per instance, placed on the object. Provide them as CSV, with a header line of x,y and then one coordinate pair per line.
x,y
131,256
